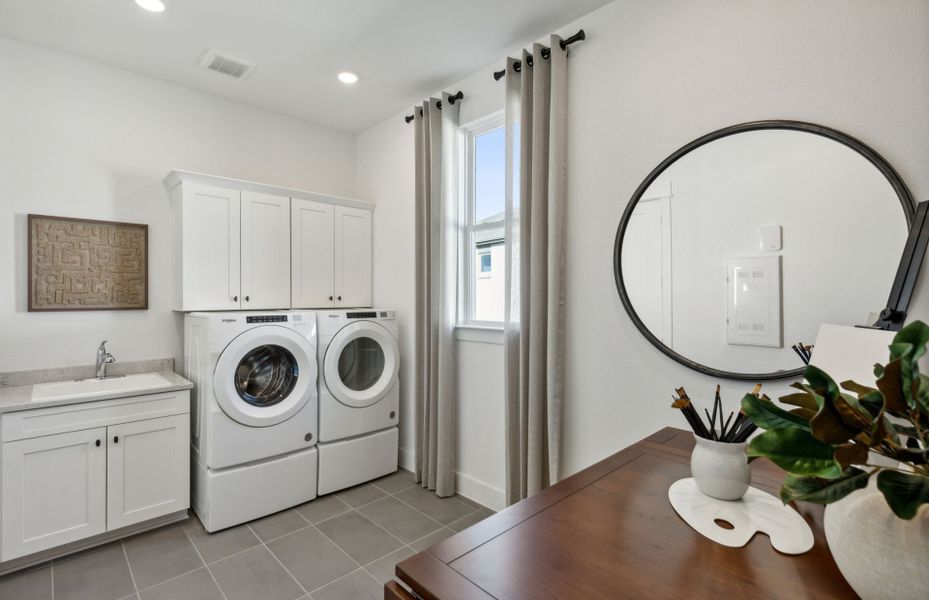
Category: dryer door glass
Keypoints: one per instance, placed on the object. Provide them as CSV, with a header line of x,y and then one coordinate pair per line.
x,y
266,375
361,363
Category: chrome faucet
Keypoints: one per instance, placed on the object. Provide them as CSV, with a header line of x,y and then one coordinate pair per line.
x,y
104,358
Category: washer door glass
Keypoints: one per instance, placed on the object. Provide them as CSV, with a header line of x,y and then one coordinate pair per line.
x,y
266,375
361,363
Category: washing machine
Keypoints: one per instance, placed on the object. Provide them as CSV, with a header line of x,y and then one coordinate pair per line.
x,y
254,413
359,396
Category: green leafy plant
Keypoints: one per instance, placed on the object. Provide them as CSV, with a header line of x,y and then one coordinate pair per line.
x,y
825,441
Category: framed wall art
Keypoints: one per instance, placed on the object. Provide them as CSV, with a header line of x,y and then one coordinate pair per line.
x,y
83,264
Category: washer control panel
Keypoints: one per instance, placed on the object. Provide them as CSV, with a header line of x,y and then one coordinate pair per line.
x,y
267,319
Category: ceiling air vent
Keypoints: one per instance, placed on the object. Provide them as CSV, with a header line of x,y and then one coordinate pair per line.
x,y
227,64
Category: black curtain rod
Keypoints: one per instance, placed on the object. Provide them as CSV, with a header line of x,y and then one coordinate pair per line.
x,y
546,52
451,100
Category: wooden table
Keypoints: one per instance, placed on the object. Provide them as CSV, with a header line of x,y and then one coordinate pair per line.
x,y
609,532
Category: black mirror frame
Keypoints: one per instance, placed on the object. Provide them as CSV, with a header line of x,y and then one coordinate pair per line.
x,y
903,194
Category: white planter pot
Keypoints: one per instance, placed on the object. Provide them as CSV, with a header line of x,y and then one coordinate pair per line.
x,y
880,555
720,470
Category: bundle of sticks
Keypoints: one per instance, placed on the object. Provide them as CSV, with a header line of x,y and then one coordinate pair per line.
x,y
805,352
729,431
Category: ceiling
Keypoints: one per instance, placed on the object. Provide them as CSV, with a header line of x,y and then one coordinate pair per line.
x,y
402,50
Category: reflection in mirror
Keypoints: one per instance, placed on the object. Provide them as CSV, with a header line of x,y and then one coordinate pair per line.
x,y
744,245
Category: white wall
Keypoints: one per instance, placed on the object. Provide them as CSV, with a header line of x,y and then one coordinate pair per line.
x,y
80,139
651,77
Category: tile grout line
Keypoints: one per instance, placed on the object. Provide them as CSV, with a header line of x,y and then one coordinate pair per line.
x,y
342,550
135,587
401,500
274,539
203,560
148,587
274,556
352,558
352,572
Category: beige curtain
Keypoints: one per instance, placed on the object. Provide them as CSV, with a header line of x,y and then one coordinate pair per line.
x,y
436,291
535,266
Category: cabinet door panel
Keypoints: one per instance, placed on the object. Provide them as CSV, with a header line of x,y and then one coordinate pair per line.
x,y
352,257
265,251
210,251
54,491
312,261
148,470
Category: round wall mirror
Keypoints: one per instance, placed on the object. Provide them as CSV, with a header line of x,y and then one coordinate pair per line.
x,y
744,241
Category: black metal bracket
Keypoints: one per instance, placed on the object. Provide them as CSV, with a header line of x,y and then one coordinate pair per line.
x,y
451,100
892,317
546,52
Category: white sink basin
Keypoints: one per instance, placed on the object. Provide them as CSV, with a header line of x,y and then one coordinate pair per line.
x,y
89,388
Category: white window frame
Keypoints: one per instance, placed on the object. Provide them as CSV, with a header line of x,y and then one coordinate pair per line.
x,y
467,252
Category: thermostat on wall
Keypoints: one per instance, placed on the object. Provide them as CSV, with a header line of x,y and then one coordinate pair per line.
x,y
771,238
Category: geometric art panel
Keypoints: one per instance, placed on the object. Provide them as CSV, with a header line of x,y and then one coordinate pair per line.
x,y
81,264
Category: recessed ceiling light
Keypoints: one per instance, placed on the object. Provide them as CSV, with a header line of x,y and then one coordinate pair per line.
x,y
346,77
151,5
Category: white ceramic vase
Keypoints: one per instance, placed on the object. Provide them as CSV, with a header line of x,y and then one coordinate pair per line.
x,y
720,469
879,554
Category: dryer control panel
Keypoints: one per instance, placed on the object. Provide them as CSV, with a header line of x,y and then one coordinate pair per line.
x,y
372,314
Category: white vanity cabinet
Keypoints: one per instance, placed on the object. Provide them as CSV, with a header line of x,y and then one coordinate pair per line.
x,y
54,491
147,467
75,471
249,246
330,254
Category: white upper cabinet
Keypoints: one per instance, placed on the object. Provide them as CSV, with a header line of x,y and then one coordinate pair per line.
x,y
265,251
312,247
251,246
331,255
352,257
207,243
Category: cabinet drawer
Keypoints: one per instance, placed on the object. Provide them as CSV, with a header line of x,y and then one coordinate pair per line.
x,y
75,417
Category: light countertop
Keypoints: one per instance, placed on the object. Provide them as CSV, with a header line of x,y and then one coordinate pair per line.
x,y
20,398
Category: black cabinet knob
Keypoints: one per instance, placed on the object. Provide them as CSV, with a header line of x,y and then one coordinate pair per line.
x,y
98,443
115,439
330,297
246,299
235,298
340,297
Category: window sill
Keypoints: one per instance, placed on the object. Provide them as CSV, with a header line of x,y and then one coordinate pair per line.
x,y
481,334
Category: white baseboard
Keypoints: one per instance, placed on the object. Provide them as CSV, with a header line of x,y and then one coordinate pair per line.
x,y
482,493
407,460
492,497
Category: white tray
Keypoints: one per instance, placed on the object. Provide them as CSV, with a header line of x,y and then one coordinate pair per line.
x,y
756,511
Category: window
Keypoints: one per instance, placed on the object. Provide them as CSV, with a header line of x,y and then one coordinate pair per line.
x,y
486,265
483,265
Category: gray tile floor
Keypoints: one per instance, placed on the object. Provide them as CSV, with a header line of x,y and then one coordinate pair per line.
x,y
339,547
